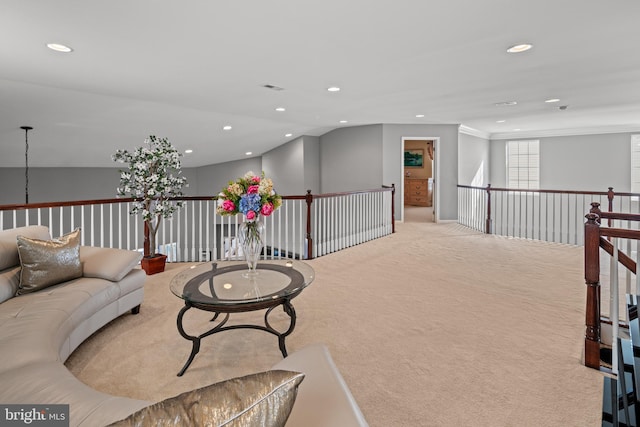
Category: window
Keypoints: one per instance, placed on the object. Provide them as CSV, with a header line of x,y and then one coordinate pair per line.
x,y
523,164
635,163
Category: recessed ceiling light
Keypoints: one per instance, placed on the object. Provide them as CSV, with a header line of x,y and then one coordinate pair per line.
x,y
59,47
520,48
227,127
419,115
280,109
552,100
504,103
344,121
248,153
516,129
500,121
188,151
333,89
288,135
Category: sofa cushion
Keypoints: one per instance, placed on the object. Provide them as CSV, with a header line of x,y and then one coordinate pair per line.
x,y
9,281
8,249
48,262
263,399
107,263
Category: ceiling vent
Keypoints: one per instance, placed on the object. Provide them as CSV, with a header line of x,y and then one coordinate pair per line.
x,y
272,87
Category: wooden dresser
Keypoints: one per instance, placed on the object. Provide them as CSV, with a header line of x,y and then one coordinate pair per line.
x,y
417,192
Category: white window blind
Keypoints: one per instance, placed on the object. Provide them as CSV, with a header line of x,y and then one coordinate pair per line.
x,y
523,164
635,163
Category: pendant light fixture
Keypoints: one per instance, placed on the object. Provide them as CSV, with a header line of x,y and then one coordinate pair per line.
x,y
26,162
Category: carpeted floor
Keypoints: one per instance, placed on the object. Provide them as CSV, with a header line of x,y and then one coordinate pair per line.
x,y
435,325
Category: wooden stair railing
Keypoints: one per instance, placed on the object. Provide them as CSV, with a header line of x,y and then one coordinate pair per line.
x,y
596,237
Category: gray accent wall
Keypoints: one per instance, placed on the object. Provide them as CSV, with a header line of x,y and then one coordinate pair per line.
x,y
351,159
367,157
446,174
312,164
359,158
577,162
58,184
285,166
66,184
213,178
474,155
295,166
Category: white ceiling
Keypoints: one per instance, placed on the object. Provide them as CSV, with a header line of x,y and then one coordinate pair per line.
x,y
184,69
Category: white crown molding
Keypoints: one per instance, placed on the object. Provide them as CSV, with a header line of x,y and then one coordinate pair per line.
x,y
566,132
474,132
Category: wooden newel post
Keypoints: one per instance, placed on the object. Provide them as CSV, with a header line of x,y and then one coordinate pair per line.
x,y
610,195
309,200
592,280
393,208
487,226
595,209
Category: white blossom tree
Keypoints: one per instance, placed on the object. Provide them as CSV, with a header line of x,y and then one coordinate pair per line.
x,y
153,179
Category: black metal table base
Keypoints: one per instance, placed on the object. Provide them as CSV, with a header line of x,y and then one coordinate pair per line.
x,y
195,340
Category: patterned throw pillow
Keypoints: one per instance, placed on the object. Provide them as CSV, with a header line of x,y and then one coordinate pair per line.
x,y
48,262
264,399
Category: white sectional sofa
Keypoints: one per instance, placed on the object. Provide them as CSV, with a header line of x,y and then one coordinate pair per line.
x,y
39,330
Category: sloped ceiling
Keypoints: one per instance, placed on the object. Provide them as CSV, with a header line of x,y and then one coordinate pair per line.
x,y
186,69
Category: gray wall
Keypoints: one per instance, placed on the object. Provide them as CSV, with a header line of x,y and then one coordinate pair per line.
x,y
366,157
295,166
473,160
213,178
66,184
351,159
285,166
58,184
357,158
446,179
312,164
579,162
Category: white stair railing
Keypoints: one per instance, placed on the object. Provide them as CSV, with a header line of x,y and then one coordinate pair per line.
x,y
197,233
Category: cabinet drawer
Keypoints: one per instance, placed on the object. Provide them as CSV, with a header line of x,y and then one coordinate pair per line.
x,y
415,186
418,199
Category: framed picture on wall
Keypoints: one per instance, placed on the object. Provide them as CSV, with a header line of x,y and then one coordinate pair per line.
x,y
414,158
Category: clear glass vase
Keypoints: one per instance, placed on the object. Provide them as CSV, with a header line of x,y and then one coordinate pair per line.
x,y
251,236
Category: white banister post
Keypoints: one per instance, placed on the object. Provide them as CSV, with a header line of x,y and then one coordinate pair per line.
x,y
614,304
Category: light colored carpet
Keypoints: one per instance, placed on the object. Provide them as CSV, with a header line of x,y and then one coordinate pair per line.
x,y
418,214
435,325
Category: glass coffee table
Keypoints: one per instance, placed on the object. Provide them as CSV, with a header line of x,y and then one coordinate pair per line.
x,y
224,287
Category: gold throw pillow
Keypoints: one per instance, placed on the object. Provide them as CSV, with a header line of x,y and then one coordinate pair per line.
x,y
48,262
264,399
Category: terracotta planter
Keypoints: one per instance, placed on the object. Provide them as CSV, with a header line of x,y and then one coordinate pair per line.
x,y
154,264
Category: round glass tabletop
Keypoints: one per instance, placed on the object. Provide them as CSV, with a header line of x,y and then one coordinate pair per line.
x,y
226,283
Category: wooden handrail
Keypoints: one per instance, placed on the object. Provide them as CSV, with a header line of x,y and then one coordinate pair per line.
x,y
62,204
526,190
620,216
622,257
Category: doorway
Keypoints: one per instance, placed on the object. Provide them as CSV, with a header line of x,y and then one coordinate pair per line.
x,y
419,166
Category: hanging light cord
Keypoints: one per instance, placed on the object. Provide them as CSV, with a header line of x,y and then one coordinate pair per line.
x,y
26,162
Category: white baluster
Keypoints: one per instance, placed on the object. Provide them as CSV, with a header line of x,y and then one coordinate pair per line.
x,y
614,303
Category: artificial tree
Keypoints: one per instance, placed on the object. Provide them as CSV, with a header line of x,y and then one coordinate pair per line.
x,y
153,179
